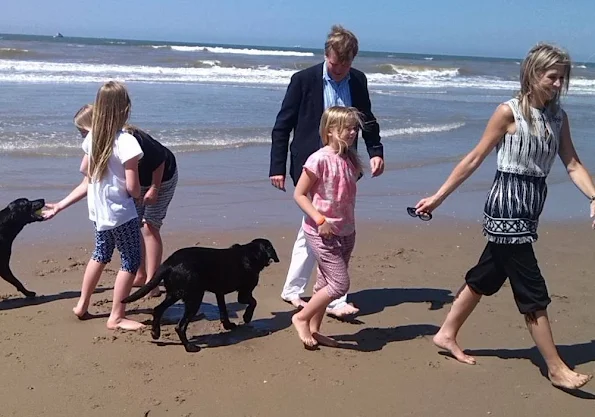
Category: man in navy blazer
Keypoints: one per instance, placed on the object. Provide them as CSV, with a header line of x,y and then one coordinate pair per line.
x,y
310,91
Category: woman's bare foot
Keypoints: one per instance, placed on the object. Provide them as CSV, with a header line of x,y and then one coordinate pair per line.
x,y
124,324
325,340
450,344
303,330
568,379
342,312
81,312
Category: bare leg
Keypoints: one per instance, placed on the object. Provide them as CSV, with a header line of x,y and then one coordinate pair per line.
x,y
315,323
141,274
558,372
153,253
446,338
117,318
301,320
90,280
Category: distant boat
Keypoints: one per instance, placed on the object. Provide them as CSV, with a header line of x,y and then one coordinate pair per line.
x,y
58,35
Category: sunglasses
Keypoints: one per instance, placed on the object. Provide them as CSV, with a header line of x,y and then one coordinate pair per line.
x,y
423,216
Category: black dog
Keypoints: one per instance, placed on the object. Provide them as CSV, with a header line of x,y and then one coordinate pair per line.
x,y
189,272
12,220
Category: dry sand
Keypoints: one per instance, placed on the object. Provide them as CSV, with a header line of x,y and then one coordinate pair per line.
x,y
403,279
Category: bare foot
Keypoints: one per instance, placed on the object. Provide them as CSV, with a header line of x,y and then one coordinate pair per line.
x,y
325,340
124,324
568,379
296,302
342,312
450,344
303,330
81,313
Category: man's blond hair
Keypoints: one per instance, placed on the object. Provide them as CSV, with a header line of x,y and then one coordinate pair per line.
x,y
343,42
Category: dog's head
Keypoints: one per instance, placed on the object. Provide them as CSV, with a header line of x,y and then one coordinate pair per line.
x,y
266,253
23,211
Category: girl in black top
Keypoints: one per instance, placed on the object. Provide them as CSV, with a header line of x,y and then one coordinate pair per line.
x,y
158,175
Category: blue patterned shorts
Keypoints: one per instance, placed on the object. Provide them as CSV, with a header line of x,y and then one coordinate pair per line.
x,y
126,238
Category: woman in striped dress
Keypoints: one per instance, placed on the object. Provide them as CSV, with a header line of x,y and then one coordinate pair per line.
x,y
527,131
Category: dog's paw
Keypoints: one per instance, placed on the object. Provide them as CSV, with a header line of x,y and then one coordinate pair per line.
x,y
29,294
155,334
228,325
247,318
190,348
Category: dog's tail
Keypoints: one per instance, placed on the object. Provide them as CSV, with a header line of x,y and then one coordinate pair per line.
x,y
162,272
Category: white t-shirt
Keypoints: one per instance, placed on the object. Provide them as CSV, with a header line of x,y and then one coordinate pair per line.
x,y
109,203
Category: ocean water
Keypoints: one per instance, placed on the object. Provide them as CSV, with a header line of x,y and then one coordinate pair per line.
x,y
215,105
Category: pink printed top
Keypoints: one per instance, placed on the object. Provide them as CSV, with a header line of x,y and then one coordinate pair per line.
x,y
333,193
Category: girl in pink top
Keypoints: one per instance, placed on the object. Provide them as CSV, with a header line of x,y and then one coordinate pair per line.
x,y
326,193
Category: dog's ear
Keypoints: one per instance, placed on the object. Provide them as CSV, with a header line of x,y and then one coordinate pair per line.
x,y
16,204
17,208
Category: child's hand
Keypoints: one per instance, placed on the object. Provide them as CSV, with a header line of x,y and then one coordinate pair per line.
x,y
150,196
50,210
324,230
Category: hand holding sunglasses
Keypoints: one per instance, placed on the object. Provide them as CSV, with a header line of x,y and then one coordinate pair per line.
x,y
423,216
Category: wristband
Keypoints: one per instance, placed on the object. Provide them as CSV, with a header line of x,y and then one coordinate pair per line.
x,y
321,221
155,187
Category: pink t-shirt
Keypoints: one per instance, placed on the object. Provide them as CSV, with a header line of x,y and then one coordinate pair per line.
x,y
333,193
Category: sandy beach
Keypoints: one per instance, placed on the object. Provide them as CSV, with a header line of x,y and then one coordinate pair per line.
x,y
404,277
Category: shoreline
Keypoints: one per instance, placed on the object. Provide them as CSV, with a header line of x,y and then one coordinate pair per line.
x,y
229,191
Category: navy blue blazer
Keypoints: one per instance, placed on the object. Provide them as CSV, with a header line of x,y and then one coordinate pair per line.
x,y
301,112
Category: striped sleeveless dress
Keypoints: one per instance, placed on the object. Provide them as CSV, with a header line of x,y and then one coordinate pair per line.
x,y
516,199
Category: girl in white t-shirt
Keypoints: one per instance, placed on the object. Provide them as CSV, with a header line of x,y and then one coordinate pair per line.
x,y
111,182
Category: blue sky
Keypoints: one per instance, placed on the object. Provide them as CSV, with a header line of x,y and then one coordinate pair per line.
x,y
504,28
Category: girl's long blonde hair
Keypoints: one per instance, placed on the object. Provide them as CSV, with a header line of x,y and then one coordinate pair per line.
x,y
541,58
84,118
110,113
341,118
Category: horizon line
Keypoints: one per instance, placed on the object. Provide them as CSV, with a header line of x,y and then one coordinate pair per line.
x,y
262,45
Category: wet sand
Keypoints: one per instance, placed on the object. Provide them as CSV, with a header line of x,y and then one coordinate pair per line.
x,y
404,276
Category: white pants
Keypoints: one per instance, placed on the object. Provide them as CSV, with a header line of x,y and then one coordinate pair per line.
x,y
300,271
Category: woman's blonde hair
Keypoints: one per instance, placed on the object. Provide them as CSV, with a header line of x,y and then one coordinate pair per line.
x,y
341,118
83,118
541,58
110,113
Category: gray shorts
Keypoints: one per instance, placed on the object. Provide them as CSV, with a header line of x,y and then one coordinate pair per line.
x,y
154,214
